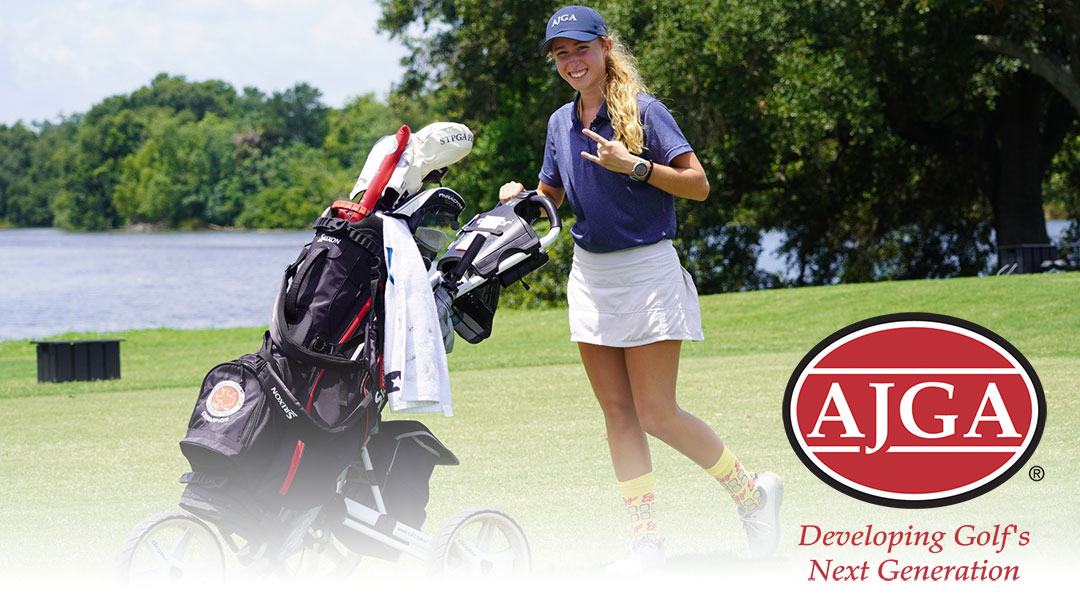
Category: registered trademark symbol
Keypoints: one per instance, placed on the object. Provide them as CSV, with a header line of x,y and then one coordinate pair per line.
x,y
1036,473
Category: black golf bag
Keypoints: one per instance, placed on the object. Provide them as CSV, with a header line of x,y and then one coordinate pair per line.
x,y
276,428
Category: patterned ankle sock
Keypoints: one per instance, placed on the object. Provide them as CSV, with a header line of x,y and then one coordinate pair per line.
x,y
639,497
729,472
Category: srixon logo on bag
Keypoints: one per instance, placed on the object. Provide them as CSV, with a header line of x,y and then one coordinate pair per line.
x,y
914,410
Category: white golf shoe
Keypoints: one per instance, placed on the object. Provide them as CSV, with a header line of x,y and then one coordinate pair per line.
x,y
762,524
644,555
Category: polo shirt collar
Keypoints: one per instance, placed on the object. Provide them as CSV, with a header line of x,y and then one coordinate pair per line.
x,y
575,120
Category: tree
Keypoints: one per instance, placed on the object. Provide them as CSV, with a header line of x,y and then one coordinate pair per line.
x,y
16,153
171,179
999,119
1056,57
1062,190
715,79
297,116
892,142
90,166
355,128
177,94
297,184
31,202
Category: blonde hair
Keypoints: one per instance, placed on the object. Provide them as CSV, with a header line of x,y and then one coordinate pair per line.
x,y
621,90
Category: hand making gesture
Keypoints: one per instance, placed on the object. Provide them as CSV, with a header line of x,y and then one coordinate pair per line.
x,y
610,154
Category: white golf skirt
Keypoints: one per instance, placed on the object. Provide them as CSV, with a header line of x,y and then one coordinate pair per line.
x,y
632,297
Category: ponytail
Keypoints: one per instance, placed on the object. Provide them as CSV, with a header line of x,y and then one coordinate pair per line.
x,y
622,88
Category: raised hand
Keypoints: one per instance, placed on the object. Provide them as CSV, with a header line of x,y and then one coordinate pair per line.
x,y
610,154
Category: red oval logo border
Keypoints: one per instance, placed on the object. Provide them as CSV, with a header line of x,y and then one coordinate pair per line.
x,y
998,477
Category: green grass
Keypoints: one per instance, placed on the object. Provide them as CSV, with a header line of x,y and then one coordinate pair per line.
x,y
81,463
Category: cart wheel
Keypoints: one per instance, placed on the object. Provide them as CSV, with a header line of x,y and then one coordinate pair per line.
x,y
480,542
170,547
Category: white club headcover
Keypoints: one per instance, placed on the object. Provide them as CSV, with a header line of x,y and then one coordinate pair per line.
x,y
434,147
384,146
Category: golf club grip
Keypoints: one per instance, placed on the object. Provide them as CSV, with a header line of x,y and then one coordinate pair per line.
x,y
467,258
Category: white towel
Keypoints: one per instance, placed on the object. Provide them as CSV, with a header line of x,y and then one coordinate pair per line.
x,y
414,357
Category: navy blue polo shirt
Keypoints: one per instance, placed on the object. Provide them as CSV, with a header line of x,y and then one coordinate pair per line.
x,y
613,211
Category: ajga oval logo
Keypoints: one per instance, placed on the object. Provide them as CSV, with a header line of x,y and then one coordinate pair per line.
x,y
914,410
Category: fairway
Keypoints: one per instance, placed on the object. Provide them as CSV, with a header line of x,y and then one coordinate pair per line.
x,y
80,464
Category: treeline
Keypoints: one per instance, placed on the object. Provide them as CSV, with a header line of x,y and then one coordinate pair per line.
x,y
179,155
882,140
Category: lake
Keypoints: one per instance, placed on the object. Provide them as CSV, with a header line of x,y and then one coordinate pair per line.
x,y
54,281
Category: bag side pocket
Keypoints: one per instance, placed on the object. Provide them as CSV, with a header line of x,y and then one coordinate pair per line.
x,y
230,413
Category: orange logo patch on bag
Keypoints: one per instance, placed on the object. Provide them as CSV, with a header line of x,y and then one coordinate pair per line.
x,y
225,400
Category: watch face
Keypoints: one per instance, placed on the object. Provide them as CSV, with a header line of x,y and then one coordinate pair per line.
x,y
640,169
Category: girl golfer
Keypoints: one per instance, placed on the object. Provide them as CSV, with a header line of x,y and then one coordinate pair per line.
x,y
621,159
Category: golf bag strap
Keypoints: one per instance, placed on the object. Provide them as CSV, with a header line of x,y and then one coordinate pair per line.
x,y
339,226
299,270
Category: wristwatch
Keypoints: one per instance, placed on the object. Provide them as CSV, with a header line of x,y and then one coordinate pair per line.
x,y
642,170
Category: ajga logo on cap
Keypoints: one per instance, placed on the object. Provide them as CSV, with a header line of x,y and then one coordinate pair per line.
x,y
564,18
914,410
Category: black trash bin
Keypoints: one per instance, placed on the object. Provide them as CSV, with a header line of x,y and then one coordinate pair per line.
x,y
1025,259
78,360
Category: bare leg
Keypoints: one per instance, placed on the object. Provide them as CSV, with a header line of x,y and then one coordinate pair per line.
x,y
606,368
652,371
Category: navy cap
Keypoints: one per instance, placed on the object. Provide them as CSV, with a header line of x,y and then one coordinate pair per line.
x,y
574,22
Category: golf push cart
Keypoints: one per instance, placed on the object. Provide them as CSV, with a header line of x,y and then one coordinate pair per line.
x,y
294,471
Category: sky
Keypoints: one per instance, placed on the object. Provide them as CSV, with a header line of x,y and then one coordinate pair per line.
x,y
60,57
